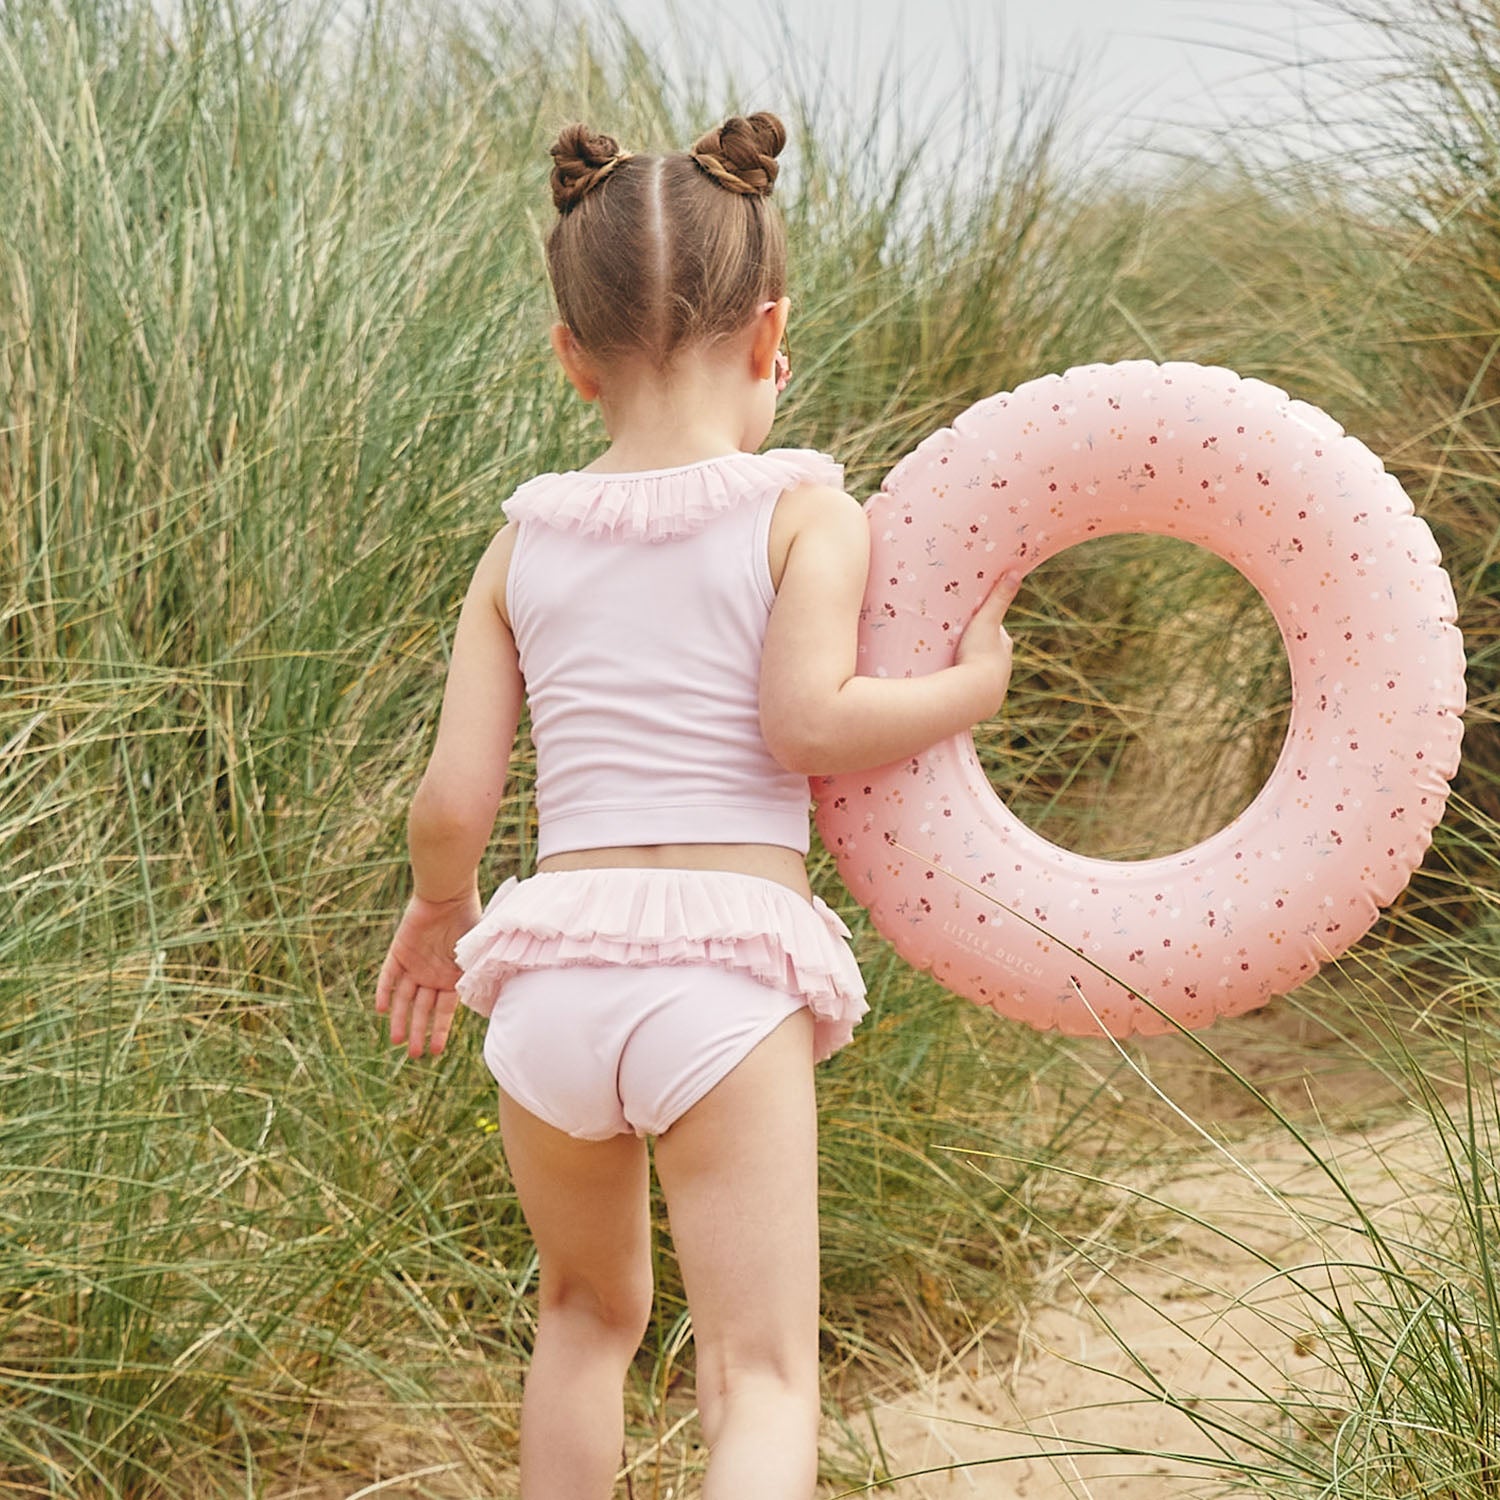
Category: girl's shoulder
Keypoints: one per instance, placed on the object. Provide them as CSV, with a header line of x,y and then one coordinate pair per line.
x,y
663,504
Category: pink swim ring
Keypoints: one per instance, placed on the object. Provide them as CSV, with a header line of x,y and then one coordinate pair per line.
x,y
1309,515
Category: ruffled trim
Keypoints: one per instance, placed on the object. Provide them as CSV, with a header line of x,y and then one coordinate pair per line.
x,y
632,916
658,505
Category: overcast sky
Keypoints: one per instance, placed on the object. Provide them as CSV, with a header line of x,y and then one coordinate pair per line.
x,y
1146,69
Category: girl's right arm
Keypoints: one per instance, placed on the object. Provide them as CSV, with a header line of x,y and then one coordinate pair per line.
x,y
818,717
453,812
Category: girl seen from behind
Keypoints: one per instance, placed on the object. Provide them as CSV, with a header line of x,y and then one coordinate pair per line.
x,y
679,616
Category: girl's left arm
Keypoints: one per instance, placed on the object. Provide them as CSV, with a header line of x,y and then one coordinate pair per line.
x,y
453,812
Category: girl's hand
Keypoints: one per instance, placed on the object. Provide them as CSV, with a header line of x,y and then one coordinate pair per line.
x,y
417,980
986,646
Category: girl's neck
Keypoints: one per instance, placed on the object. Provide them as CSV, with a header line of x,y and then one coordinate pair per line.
x,y
704,407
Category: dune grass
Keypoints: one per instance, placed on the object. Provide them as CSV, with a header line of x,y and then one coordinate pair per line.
x,y
272,350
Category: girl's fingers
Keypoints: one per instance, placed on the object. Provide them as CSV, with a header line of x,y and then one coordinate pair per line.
x,y
442,1020
985,623
402,994
999,598
383,984
421,1010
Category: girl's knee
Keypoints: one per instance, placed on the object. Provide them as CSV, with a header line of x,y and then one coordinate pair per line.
x,y
616,1313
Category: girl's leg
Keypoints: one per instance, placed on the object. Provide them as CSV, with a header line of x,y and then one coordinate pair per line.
x,y
587,1205
739,1171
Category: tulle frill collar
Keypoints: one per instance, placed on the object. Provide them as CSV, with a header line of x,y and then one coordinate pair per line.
x,y
660,504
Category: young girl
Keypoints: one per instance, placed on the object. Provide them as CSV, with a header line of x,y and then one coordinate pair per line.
x,y
681,617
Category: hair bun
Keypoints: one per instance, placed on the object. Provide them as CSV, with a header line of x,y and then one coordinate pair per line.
x,y
581,160
741,154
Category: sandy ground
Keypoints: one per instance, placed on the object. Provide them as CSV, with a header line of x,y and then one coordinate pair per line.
x,y
1223,1312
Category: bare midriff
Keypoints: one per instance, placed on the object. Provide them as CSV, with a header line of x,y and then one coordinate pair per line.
x,y
768,861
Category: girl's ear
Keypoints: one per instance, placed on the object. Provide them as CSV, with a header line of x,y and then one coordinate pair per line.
x,y
770,329
577,366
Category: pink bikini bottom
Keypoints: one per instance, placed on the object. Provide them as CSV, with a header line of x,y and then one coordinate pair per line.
x,y
618,997
598,1051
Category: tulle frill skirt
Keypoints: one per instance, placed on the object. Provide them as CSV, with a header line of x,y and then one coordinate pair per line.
x,y
743,923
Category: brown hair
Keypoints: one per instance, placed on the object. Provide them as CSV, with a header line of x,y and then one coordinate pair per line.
x,y
651,254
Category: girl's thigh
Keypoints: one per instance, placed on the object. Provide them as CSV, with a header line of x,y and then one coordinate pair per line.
x,y
587,1205
740,1174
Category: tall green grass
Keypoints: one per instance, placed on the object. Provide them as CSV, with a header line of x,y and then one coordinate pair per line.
x,y
272,350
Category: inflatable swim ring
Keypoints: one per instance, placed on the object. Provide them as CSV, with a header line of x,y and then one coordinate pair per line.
x,y
998,914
